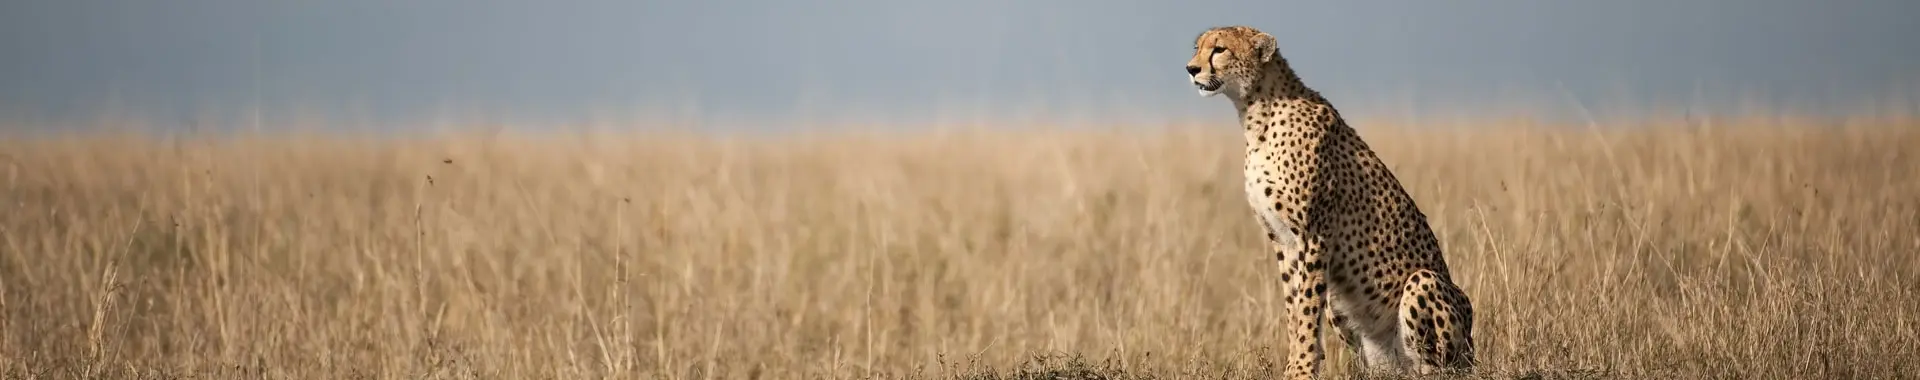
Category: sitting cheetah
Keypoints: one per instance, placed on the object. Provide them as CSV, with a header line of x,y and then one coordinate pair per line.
x,y
1348,238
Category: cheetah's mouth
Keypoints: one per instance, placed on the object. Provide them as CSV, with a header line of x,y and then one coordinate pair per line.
x,y
1208,88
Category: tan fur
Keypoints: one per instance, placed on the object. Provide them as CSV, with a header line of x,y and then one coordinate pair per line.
x,y
1348,238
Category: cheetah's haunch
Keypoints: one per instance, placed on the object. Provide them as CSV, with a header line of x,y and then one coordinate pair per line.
x,y
1349,239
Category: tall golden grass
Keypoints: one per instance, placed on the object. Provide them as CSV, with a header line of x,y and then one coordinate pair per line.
x,y
1755,249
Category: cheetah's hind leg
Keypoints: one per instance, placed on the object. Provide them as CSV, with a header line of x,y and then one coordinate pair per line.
x,y
1436,323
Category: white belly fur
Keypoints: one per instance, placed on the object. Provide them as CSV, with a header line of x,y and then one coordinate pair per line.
x,y
1379,334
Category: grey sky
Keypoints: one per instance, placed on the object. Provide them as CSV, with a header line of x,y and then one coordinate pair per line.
x,y
399,61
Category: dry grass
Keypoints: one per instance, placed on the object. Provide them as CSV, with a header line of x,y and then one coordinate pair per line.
x,y
1750,250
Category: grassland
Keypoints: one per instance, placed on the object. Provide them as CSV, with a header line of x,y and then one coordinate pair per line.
x,y
1750,249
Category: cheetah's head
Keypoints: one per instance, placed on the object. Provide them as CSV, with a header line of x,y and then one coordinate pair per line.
x,y
1225,59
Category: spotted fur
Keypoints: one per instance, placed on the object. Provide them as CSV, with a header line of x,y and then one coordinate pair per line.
x,y
1349,240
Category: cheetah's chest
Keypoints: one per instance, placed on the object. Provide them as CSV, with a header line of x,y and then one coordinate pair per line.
x,y
1262,186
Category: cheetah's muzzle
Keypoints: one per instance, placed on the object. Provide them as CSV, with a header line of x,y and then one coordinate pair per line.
x,y
1208,85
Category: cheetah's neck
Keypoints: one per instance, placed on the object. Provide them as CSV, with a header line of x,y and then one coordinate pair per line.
x,y
1277,98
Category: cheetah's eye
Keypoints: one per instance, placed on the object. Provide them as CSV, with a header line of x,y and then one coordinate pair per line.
x,y
1219,49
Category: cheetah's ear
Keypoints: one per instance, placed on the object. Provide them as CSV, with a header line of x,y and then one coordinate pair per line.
x,y
1263,47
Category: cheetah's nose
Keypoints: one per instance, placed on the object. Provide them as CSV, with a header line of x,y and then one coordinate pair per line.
x,y
1193,70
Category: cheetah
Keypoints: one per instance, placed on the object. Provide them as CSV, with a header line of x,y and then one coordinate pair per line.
x,y
1348,238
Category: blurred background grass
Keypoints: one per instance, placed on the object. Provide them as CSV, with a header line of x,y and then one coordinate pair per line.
x,y
1762,247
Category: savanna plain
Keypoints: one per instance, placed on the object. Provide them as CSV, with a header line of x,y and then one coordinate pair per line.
x,y
1764,247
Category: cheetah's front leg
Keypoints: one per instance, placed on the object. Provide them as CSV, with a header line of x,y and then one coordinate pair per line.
x,y
1303,276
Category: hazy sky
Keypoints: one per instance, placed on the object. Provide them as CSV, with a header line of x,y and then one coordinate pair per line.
x,y
398,61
